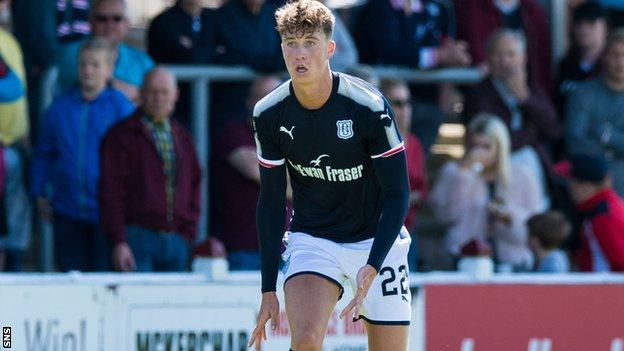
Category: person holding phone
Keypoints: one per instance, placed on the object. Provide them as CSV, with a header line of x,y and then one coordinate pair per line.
x,y
484,196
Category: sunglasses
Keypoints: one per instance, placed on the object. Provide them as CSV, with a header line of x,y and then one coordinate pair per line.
x,y
113,18
401,103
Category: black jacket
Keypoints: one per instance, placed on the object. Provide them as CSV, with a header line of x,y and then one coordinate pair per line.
x,y
385,35
247,39
164,41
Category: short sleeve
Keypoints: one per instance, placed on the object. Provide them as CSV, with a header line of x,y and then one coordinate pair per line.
x,y
269,154
384,139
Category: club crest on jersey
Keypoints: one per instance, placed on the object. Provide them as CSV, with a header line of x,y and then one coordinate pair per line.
x,y
345,129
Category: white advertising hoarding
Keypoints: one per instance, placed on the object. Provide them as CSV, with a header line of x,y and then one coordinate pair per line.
x,y
53,317
210,318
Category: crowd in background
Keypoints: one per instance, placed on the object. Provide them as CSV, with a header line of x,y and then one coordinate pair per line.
x,y
111,163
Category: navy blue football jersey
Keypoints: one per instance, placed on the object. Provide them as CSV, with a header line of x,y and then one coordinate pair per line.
x,y
328,153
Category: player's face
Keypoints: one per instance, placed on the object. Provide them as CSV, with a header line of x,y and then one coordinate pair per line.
x,y
614,62
109,21
307,56
400,100
508,58
93,70
486,147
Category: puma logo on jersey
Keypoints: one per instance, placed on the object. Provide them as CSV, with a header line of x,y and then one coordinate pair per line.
x,y
404,298
385,115
317,162
289,132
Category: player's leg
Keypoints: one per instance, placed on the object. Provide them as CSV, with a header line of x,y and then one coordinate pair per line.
x,y
387,337
386,309
310,300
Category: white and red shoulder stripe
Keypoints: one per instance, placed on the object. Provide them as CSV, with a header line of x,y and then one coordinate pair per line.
x,y
269,163
394,150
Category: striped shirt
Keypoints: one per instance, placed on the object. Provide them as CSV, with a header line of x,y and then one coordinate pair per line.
x,y
163,138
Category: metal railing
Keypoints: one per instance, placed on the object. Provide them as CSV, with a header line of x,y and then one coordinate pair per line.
x,y
200,78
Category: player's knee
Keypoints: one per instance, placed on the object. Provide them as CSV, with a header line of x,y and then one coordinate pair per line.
x,y
307,340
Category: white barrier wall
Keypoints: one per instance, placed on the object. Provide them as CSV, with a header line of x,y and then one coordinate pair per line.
x,y
142,313
175,312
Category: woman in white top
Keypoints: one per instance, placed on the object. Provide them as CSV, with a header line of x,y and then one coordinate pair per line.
x,y
484,196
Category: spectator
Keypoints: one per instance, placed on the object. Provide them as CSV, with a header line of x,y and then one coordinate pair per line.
x,y
589,36
67,158
480,18
183,34
602,212
43,34
238,182
150,183
547,231
416,34
409,33
526,110
594,113
109,20
246,36
616,11
485,196
346,54
15,212
398,95
11,86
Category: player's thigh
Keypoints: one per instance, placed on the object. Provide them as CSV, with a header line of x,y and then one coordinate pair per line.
x,y
387,337
310,300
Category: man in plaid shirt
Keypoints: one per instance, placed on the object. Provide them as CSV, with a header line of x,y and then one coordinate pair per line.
x,y
150,183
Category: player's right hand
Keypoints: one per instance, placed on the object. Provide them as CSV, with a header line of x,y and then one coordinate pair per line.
x,y
269,309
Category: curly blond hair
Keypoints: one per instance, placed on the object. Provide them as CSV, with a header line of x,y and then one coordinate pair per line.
x,y
303,17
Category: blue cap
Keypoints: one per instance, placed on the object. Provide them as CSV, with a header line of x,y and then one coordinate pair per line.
x,y
588,168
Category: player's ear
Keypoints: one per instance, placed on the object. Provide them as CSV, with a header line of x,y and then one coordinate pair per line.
x,y
331,48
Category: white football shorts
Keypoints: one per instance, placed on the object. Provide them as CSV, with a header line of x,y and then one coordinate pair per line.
x,y
388,301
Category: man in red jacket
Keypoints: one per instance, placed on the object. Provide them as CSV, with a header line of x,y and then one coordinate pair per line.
x,y
150,183
602,213
478,19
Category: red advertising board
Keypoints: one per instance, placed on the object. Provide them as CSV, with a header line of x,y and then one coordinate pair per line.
x,y
524,317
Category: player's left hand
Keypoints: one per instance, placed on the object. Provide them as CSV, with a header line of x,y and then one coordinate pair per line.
x,y
365,277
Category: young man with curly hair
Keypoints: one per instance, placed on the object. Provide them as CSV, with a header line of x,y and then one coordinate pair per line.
x,y
336,136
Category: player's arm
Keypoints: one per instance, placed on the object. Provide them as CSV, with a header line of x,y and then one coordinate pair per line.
x,y
392,175
270,221
271,209
386,148
270,215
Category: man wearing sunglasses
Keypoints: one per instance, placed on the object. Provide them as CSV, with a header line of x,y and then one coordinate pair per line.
x,y
108,19
398,94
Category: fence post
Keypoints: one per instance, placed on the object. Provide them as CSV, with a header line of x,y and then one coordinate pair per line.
x,y
200,120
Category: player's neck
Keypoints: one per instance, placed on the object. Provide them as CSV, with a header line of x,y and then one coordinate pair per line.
x,y
313,96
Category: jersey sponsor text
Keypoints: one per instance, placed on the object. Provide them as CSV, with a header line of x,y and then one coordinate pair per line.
x,y
330,174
